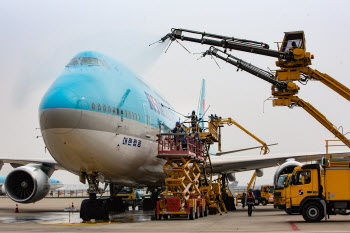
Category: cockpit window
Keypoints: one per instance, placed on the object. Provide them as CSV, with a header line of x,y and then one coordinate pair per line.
x,y
88,61
74,62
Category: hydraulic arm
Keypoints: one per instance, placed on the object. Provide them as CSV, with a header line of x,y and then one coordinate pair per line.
x,y
283,92
218,123
225,42
293,59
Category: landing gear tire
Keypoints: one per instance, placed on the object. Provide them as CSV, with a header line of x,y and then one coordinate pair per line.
x,y
313,212
97,209
230,203
148,204
134,205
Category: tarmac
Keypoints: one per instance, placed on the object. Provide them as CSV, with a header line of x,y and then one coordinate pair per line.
x,y
48,215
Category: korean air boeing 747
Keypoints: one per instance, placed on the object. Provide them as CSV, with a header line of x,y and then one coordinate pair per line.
x,y
99,120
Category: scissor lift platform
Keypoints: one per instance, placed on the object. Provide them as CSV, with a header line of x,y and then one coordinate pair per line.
x,y
184,156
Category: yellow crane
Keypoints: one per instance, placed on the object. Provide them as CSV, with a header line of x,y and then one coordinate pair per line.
x,y
293,61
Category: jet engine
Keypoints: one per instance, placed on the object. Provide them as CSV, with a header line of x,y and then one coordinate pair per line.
x,y
231,177
27,184
259,172
285,168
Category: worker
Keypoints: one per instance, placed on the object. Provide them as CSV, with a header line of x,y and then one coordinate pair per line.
x,y
176,130
243,199
250,200
184,140
211,117
194,120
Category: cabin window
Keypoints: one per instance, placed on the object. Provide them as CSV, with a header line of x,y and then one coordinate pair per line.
x,y
104,108
98,107
113,110
129,114
117,111
93,106
132,115
109,109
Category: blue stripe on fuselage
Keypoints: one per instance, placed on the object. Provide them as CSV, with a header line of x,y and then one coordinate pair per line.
x,y
81,85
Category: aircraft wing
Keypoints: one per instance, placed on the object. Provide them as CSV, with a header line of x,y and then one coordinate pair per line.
x,y
232,164
20,162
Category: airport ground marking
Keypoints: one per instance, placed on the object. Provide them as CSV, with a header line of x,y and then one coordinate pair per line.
x,y
295,228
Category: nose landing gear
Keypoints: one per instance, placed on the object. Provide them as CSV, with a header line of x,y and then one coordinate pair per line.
x,y
100,208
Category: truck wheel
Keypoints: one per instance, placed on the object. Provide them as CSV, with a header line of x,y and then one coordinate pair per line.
x,y
197,212
157,216
206,211
264,202
192,213
313,212
201,211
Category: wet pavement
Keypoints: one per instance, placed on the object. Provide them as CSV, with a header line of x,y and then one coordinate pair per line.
x,y
48,216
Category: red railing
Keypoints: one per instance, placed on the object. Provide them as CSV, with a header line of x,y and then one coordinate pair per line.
x,y
179,144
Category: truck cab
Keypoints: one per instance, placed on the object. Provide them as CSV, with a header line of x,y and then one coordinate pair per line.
x,y
317,191
280,191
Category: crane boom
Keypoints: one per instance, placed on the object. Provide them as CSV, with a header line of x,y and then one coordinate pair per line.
x,y
226,42
320,118
229,121
328,81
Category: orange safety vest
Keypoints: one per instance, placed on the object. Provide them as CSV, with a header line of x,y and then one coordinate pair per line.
x,y
250,197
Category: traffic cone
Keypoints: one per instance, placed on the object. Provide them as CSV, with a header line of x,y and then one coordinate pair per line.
x,y
16,210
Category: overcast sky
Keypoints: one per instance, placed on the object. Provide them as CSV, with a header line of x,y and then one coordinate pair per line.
x,y
38,38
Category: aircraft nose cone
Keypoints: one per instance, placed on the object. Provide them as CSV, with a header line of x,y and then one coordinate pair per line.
x,y
60,111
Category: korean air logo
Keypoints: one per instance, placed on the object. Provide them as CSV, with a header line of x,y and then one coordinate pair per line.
x,y
301,192
154,103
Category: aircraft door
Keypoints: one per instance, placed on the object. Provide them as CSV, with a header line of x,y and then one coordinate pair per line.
x,y
147,121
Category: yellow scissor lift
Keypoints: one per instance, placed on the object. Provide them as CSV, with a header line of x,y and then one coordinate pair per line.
x,y
190,189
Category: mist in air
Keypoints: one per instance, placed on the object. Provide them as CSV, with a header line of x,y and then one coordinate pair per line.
x,y
129,47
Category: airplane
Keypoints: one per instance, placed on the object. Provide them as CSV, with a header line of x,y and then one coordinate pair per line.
x,y
99,120
54,184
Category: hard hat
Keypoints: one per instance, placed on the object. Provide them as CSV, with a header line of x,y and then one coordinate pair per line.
x,y
193,111
250,189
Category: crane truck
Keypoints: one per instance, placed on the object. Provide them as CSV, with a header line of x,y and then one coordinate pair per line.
x,y
293,61
318,190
